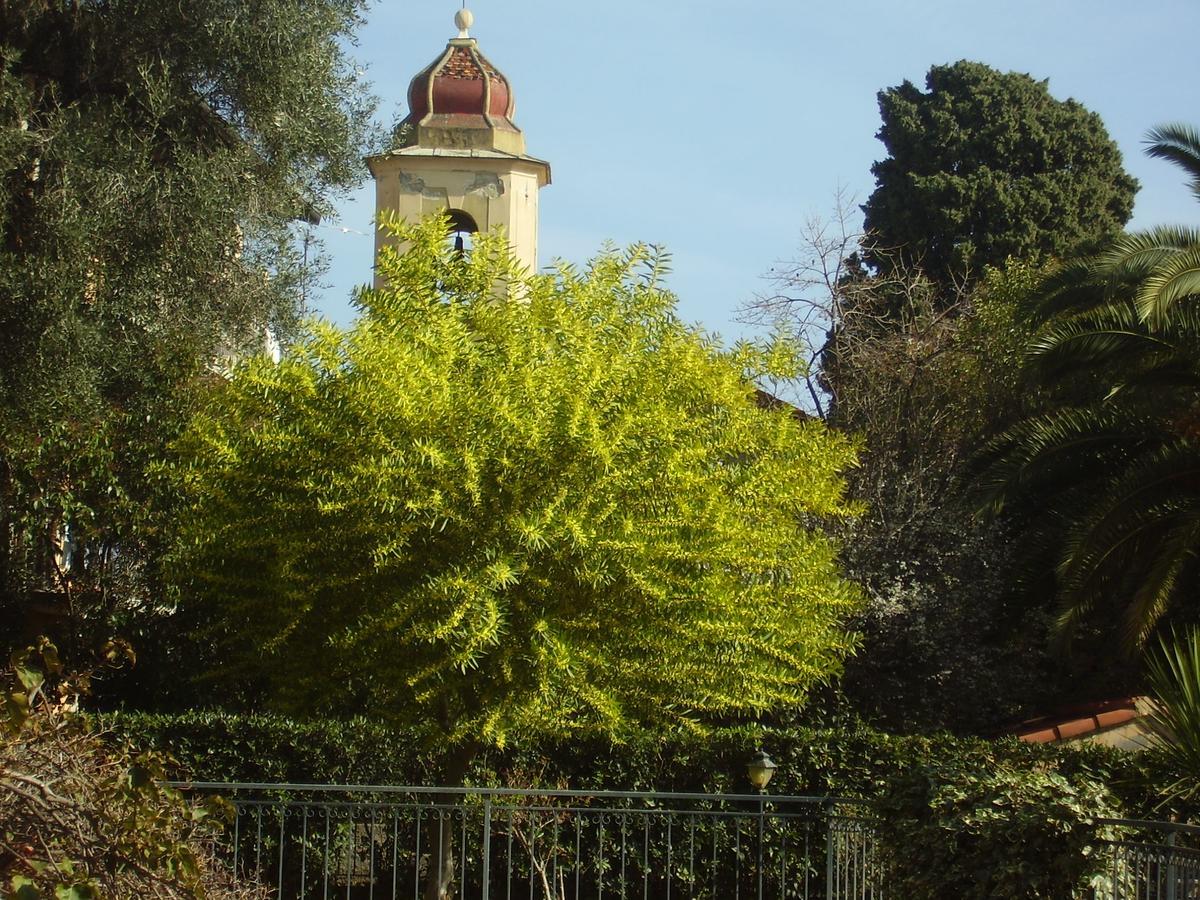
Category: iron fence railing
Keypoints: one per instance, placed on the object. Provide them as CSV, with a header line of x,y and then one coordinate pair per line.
x,y
1149,861
388,843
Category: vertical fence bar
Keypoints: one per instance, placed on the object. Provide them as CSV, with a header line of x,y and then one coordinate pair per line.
x,y
737,859
783,891
440,846
808,857
762,812
691,857
487,847
645,858
830,884
578,853
1172,873
395,851
532,849
601,866
713,858
349,851
325,855
283,813
304,853
509,874
552,862
419,814
624,848
670,855
237,837
371,847
462,865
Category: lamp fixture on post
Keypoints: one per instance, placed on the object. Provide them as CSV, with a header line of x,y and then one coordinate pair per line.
x,y
760,769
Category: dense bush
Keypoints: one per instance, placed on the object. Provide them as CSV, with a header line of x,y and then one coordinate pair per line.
x,y
846,758
949,805
82,818
1013,832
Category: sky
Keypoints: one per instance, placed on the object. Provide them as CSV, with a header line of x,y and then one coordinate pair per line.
x,y
718,129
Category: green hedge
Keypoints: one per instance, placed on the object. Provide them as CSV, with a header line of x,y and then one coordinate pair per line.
x,y
852,759
956,812
1011,831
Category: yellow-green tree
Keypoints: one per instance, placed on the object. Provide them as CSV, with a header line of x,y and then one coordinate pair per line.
x,y
560,512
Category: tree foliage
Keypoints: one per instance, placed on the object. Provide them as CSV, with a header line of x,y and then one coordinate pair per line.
x,y
1110,469
983,166
155,159
559,513
923,382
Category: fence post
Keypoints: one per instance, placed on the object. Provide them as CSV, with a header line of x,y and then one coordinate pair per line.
x,y
830,889
762,814
1172,869
487,845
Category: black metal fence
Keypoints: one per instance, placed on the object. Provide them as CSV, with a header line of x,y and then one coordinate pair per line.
x,y
389,843
1149,861
376,843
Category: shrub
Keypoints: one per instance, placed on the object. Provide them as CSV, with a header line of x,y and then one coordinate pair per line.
x,y
1012,833
846,757
84,818
951,807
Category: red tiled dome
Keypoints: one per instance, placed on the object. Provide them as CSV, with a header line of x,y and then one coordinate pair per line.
x,y
461,82
461,103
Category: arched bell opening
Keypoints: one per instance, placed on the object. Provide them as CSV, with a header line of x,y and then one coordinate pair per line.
x,y
462,230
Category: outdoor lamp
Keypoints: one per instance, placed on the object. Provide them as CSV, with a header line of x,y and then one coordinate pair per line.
x,y
760,769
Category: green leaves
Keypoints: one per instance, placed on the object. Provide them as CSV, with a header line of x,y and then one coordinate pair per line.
x,y
93,820
983,166
156,161
1174,674
515,506
952,829
1110,472
76,892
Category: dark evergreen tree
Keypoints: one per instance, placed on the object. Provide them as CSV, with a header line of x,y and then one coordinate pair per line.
x,y
985,165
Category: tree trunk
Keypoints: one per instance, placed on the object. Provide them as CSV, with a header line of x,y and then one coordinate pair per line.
x,y
440,876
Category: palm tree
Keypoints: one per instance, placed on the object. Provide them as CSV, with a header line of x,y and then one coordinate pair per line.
x,y
1111,471
1166,259
1174,677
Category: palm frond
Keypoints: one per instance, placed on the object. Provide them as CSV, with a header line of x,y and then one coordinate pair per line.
x,y
1052,452
1126,544
1179,144
1133,257
1171,371
1173,672
1078,284
1098,336
1174,560
1114,484
1095,564
1175,280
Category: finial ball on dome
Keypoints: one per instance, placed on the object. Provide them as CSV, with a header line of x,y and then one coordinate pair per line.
x,y
464,19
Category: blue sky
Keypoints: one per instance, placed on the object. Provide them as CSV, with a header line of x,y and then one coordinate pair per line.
x,y
718,128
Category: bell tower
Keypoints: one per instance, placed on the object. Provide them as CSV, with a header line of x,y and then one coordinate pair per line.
x,y
460,152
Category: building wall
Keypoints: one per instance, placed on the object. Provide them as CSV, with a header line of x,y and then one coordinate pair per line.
x,y
494,192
